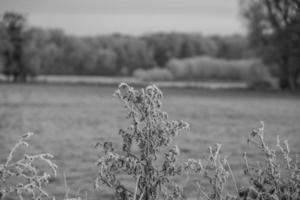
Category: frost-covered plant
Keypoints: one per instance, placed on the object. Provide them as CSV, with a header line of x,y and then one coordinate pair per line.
x,y
277,177
24,177
211,174
67,191
153,164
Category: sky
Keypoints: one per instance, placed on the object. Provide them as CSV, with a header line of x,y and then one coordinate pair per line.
x,y
135,17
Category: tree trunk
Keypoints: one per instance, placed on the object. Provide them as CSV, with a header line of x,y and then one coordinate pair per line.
x,y
292,82
288,81
284,74
15,77
289,74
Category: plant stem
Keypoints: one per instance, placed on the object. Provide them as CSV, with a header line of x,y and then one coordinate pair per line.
x,y
233,178
136,187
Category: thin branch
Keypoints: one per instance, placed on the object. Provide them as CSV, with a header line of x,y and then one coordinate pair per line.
x,y
66,186
233,178
203,193
282,10
271,15
297,3
142,194
136,187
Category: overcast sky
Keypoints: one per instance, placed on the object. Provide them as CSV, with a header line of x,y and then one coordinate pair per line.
x,y
91,17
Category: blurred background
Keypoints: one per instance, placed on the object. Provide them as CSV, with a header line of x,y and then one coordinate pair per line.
x,y
222,65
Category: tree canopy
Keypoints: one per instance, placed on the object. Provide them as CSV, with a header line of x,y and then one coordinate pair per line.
x,y
274,31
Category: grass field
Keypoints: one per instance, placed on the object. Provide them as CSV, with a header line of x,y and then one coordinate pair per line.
x,y
69,120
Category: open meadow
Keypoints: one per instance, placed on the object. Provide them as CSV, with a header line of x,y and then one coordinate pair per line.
x,y
69,120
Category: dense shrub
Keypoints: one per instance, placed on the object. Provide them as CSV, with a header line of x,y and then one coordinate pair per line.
x,y
206,68
203,68
155,74
259,76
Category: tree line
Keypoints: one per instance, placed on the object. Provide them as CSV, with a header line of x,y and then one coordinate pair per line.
x,y
273,36
33,51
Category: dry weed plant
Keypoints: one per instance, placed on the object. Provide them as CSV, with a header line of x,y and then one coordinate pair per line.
x,y
152,166
277,177
77,196
151,133
24,177
212,173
